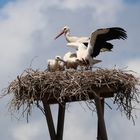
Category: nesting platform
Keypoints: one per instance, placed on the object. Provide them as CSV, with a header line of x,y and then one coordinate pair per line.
x,y
33,87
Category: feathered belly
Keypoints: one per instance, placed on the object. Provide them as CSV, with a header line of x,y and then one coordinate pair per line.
x,y
81,54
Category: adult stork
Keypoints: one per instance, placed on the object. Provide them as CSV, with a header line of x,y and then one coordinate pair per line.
x,y
72,60
85,40
69,38
98,40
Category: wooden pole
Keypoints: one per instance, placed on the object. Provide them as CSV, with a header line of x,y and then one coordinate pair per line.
x,y
98,130
60,122
49,119
102,127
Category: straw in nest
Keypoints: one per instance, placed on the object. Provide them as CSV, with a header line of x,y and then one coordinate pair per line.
x,y
32,87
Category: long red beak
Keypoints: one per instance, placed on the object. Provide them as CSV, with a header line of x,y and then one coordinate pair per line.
x,y
59,34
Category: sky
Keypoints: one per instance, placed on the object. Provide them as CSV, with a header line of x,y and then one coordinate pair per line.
x,y
27,31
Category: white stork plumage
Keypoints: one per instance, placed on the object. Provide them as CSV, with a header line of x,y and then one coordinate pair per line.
x,y
97,41
70,60
83,56
69,38
114,32
73,60
55,64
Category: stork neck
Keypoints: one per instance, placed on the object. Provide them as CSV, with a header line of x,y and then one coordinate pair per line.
x,y
67,35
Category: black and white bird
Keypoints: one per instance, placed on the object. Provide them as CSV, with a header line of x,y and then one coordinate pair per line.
x,y
72,61
97,41
83,55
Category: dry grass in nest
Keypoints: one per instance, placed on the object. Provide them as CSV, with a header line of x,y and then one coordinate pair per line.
x,y
33,86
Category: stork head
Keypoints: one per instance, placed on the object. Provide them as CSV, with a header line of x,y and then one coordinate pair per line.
x,y
64,30
57,57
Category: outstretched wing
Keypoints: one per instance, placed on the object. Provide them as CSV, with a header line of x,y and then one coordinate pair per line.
x,y
113,33
99,37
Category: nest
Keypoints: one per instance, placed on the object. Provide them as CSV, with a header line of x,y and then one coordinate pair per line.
x,y
34,86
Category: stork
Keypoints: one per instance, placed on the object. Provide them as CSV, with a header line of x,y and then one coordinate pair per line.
x,y
55,64
70,60
85,40
83,58
97,42
69,38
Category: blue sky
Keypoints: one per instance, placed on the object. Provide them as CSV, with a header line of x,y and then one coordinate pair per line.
x,y
132,1
4,2
27,31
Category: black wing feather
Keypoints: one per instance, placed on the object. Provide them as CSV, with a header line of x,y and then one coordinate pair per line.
x,y
108,46
99,37
112,33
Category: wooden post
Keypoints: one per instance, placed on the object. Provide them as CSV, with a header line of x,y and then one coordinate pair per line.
x,y
60,122
98,130
101,135
49,119
102,128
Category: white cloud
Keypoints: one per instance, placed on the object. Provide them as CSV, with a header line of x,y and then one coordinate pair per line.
x,y
28,131
20,21
78,123
103,11
121,128
134,65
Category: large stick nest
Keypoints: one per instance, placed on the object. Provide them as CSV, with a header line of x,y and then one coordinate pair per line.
x,y
32,87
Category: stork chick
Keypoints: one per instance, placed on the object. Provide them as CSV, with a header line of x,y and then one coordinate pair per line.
x,y
55,64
